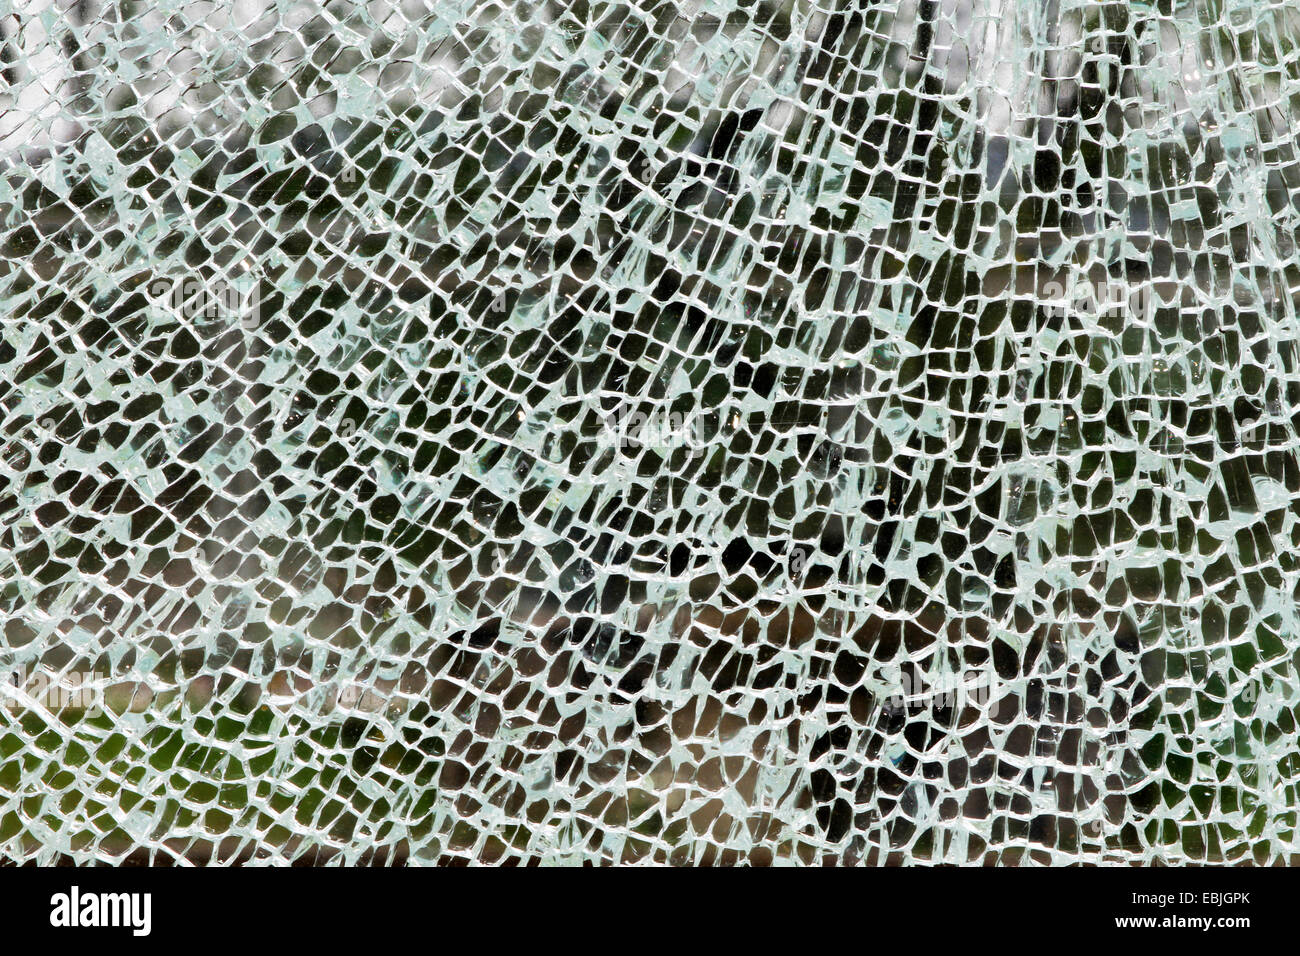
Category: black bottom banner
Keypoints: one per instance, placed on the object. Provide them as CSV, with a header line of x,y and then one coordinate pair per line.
x,y
234,907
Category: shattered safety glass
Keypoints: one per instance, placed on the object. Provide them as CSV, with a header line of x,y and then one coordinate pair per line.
x,y
563,431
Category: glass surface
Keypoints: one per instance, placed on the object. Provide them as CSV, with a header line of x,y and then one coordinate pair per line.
x,y
649,432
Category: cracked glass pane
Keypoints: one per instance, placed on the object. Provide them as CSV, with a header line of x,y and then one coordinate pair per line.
x,y
780,432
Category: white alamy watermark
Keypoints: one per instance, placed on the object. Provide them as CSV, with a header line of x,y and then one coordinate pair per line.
x,y
55,691
211,299
914,694
1108,297
75,909
658,430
